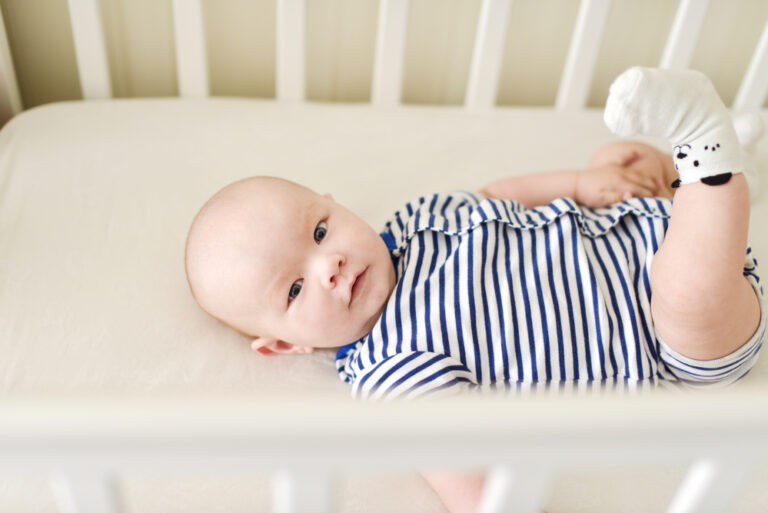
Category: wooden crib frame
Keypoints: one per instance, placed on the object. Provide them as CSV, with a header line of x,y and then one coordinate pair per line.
x,y
86,442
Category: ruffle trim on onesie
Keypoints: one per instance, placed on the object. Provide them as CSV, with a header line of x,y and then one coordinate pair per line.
x,y
473,211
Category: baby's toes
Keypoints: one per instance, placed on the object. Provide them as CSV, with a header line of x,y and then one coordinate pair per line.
x,y
620,115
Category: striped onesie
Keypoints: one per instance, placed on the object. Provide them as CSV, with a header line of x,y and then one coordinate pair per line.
x,y
491,295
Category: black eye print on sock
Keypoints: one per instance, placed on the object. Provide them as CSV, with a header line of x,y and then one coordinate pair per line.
x,y
695,163
706,147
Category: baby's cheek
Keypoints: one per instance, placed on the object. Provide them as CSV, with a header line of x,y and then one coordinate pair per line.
x,y
329,326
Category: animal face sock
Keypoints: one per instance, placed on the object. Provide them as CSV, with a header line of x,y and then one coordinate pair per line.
x,y
683,107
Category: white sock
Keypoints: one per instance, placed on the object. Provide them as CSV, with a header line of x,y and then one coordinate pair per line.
x,y
683,107
749,129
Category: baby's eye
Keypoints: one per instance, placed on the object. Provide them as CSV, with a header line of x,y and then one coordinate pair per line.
x,y
295,289
320,230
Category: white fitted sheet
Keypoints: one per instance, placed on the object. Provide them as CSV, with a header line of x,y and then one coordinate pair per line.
x,y
95,202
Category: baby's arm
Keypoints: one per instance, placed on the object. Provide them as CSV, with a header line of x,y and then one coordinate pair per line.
x,y
534,189
598,185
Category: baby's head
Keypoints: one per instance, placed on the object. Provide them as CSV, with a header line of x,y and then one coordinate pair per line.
x,y
286,266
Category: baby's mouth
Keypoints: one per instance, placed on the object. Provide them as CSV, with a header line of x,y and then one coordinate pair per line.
x,y
357,285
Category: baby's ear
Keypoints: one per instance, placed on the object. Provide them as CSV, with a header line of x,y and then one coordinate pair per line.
x,y
273,346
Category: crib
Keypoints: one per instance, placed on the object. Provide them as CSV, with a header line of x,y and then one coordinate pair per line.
x,y
117,394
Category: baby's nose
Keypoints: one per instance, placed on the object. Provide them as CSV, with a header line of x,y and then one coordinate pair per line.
x,y
332,269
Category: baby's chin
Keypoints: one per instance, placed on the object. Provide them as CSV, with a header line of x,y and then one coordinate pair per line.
x,y
351,336
362,330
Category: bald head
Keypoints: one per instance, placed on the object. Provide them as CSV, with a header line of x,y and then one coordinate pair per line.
x,y
224,232
276,261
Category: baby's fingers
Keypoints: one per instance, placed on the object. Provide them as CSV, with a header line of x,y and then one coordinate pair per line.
x,y
649,183
624,191
608,197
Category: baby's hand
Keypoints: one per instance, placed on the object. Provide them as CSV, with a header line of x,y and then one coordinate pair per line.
x,y
610,183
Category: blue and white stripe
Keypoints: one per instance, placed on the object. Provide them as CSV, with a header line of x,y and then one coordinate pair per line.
x,y
491,295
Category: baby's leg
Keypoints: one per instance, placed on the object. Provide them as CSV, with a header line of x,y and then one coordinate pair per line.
x,y
702,306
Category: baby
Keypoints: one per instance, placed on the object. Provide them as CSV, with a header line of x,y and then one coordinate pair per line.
x,y
542,278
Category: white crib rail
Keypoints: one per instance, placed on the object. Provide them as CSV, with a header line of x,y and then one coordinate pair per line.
x,y
582,54
301,490
711,486
90,49
85,491
486,60
754,87
389,59
10,99
508,491
291,69
310,439
685,31
191,54
390,48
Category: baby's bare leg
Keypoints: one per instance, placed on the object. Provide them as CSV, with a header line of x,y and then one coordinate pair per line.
x,y
460,492
702,306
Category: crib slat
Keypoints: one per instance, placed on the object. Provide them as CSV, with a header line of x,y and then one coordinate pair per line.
x,y
684,34
710,486
754,87
90,49
488,52
510,491
582,54
191,56
302,492
85,493
290,74
9,87
390,48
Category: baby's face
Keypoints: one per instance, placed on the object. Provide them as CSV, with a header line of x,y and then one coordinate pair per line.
x,y
303,269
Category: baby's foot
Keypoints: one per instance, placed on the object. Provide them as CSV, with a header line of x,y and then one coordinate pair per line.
x,y
749,129
683,107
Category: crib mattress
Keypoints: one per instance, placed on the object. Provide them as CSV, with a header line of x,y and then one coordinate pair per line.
x,y
95,202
